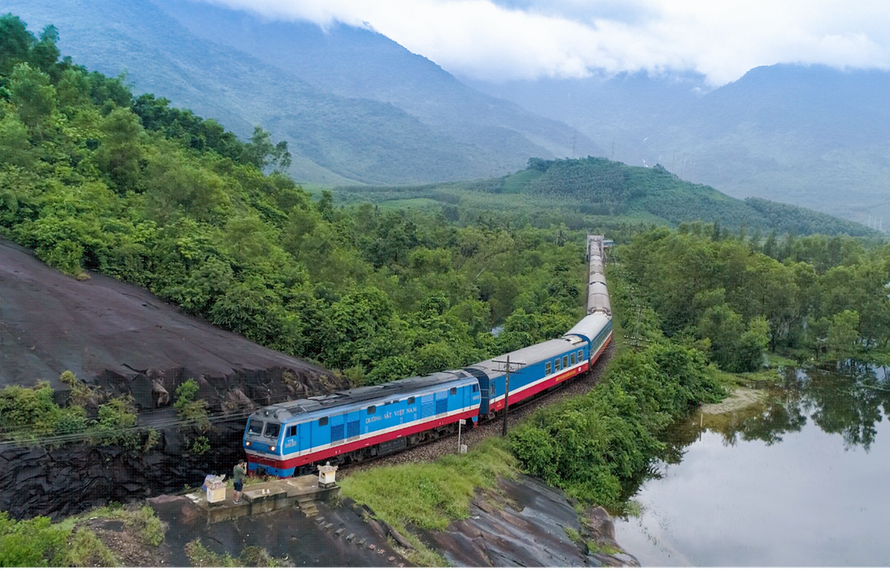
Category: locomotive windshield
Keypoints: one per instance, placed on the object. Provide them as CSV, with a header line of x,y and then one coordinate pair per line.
x,y
255,427
272,430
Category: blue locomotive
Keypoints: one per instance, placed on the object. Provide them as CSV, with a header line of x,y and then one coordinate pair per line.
x,y
353,425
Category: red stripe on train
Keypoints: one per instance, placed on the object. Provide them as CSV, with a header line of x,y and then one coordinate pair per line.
x,y
359,444
531,391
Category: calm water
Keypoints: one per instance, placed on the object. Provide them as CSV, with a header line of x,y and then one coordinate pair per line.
x,y
801,480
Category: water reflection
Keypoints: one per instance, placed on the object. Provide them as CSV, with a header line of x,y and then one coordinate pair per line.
x,y
789,481
850,400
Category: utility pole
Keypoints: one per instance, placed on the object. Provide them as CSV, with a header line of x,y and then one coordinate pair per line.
x,y
507,388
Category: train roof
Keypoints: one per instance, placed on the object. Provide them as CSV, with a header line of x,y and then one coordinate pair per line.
x,y
589,326
414,386
524,356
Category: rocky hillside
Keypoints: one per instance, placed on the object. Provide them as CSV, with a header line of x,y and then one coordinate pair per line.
x,y
120,339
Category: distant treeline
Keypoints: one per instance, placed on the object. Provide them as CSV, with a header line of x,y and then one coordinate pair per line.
x,y
591,191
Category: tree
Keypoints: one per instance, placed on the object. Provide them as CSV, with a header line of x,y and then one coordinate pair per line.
x,y
724,327
34,97
120,151
44,53
35,542
261,153
15,148
843,332
15,43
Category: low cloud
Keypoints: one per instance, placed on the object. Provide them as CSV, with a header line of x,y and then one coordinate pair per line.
x,y
528,39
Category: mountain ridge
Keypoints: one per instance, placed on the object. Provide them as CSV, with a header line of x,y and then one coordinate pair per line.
x,y
808,135
331,137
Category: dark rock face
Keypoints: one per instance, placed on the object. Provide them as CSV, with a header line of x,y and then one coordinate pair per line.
x,y
121,339
337,537
531,530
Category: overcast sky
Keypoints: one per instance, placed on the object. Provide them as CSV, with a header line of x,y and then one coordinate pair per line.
x,y
527,39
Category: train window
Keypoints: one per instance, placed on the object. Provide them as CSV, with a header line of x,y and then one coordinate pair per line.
x,y
453,391
323,421
475,387
292,431
410,400
557,365
580,355
548,367
574,358
255,427
565,361
272,430
372,409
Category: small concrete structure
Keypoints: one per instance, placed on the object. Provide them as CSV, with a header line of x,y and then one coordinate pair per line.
x,y
265,497
216,488
327,474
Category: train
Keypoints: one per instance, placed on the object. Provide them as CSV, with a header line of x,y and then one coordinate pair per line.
x,y
291,438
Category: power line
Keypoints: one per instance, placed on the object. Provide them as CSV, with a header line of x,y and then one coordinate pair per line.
x,y
225,415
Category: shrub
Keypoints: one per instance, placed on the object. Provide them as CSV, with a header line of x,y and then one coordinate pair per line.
x,y
189,409
33,542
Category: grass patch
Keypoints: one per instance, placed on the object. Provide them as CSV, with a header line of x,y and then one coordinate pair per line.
x,y
731,380
573,534
251,556
430,495
142,519
86,549
594,547
776,360
201,557
771,375
248,480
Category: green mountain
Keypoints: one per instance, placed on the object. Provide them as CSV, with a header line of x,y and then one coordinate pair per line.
x,y
359,63
591,191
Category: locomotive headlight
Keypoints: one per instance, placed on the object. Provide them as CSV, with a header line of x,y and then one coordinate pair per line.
x,y
246,444
272,448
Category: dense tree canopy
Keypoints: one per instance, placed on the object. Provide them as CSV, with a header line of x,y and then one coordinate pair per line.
x,y
94,179
808,293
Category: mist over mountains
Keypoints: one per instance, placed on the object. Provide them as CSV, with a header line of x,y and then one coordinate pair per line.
x,y
335,138
811,136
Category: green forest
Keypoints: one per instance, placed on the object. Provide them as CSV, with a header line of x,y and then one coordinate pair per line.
x,y
811,298
695,312
592,191
94,179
